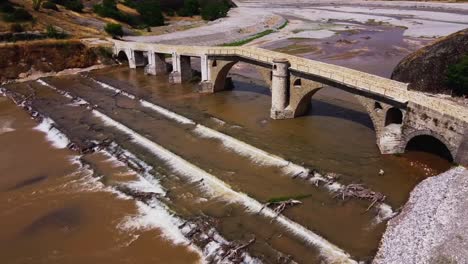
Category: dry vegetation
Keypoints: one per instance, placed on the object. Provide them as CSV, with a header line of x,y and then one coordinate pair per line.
x,y
24,58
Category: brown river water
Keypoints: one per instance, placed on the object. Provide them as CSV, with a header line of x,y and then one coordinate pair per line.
x,y
143,183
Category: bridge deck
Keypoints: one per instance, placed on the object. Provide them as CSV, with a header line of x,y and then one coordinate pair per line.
x,y
369,83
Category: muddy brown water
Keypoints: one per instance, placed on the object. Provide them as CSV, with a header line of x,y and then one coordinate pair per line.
x,y
54,211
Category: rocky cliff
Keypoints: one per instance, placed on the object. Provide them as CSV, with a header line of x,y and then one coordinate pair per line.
x,y
426,69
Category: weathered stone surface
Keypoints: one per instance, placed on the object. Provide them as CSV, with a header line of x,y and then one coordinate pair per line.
x,y
426,69
433,225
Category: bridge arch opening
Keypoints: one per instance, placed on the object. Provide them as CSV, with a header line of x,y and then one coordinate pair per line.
x,y
429,144
393,116
297,83
122,57
378,107
323,102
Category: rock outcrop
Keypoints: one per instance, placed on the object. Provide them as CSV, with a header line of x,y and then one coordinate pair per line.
x,y
426,69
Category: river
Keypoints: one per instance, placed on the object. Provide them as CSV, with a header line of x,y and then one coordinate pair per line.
x,y
120,167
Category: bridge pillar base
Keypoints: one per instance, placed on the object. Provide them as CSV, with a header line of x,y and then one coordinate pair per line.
x,y
156,64
281,114
182,70
206,87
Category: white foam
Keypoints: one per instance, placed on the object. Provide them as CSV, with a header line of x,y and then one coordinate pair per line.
x,y
167,113
6,126
53,135
104,85
218,188
255,154
156,216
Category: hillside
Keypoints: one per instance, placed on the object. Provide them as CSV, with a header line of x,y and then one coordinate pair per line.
x,y
426,69
88,24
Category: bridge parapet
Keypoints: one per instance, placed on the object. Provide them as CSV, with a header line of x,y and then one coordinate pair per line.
x,y
317,71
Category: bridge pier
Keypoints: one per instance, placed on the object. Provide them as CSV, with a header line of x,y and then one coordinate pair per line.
x,y
280,89
156,64
181,69
135,58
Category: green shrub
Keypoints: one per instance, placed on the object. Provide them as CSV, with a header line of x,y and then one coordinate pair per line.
x,y
213,11
74,5
150,11
37,4
52,32
190,8
16,28
113,29
18,15
108,8
6,7
50,5
457,77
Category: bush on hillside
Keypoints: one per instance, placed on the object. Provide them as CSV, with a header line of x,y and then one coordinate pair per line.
x,y
50,5
52,32
190,8
37,4
213,11
108,8
74,5
6,7
18,15
113,29
457,77
150,11
16,28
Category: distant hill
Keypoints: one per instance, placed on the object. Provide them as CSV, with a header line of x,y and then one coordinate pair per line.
x,y
426,69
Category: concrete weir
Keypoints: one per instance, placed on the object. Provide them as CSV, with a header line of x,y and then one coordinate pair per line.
x,y
401,118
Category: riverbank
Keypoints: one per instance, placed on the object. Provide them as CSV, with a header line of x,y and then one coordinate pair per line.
x,y
433,225
32,59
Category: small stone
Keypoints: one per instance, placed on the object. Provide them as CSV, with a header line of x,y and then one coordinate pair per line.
x,y
381,172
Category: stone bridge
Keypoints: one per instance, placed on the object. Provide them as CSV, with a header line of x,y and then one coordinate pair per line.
x,y
401,118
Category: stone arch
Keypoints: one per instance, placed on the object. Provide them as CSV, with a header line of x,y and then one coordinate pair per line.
x,y
220,69
393,116
122,55
427,141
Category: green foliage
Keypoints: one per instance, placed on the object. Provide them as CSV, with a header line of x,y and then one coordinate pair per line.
x,y
37,4
245,41
52,32
74,5
213,11
18,15
49,5
150,12
190,8
113,29
108,8
457,77
6,7
16,28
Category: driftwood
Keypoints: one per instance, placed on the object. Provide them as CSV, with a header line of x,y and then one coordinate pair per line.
x,y
280,206
359,191
233,252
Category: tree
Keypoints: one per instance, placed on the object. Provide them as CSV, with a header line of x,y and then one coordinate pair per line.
x,y
113,29
190,8
37,4
213,11
151,13
457,77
